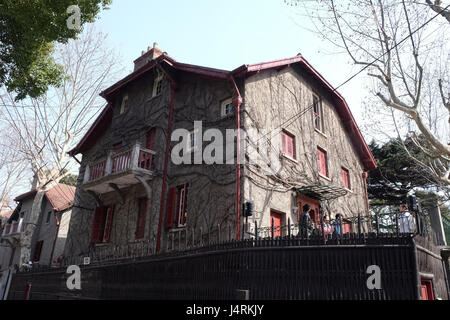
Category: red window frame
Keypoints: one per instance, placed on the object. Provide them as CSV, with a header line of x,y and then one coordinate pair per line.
x,y
141,217
176,208
322,161
102,224
288,143
345,173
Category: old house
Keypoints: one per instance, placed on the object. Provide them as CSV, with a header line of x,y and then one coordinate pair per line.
x,y
298,143
48,239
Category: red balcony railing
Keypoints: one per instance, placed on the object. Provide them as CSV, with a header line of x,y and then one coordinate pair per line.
x,y
97,171
121,162
135,158
145,160
7,229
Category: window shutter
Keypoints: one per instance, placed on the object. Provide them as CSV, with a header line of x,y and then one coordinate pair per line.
x,y
170,208
284,142
184,204
150,141
98,226
142,213
109,221
345,178
322,162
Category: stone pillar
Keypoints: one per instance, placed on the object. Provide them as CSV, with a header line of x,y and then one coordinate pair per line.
x,y
436,224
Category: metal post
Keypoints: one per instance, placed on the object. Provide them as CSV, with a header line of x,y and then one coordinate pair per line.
x,y
289,227
256,230
396,222
377,223
271,228
359,223
218,233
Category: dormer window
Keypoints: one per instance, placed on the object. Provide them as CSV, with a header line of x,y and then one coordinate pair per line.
x,y
318,114
123,106
157,85
227,108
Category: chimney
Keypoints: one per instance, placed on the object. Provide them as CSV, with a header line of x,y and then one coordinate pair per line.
x,y
146,57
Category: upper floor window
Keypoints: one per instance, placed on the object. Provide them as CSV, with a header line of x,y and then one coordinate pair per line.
x,y
49,215
37,251
227,108
157,84
288,144
193,140
322,162
318,113
123,106
346,178
176,210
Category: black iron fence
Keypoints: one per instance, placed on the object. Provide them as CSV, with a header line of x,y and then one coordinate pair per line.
x,y
270,268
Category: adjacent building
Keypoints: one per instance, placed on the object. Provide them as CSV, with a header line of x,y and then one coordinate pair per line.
x,y
48,239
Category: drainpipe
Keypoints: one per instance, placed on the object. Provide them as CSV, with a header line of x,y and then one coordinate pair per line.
x,y
364,176
173,87
237,101
55,238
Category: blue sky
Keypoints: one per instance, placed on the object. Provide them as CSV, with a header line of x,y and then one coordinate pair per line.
x,y
225,35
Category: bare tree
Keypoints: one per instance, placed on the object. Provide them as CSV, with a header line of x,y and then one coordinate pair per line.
x,y
12,169
404,47
46,128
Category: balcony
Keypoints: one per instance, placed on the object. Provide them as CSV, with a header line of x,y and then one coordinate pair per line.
x,y
119,170
11,229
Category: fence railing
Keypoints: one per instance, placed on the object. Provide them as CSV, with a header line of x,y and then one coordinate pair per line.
x,y
373,229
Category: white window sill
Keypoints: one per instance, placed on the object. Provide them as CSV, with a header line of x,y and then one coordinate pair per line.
x,y
320,132
289,158
325,177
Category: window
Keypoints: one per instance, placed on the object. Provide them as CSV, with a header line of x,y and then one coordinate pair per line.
x,y
102,225
227,108
49,215
322,162
37,251
427,289
123,106
176,210
192,141
140,223
288,144
157,85
318,113
345,178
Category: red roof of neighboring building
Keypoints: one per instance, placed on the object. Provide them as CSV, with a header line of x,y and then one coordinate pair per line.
x,y
105,118
60,196
6,214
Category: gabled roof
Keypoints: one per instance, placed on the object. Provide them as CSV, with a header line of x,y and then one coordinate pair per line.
x,y
60,196
104,120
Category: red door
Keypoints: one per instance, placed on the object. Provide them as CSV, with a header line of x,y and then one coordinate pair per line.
x,y
427,290
314,212
275,223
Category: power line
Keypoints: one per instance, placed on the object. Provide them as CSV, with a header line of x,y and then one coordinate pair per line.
x,y
360,71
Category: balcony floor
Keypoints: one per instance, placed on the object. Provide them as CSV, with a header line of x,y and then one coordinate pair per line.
x,y
122,180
